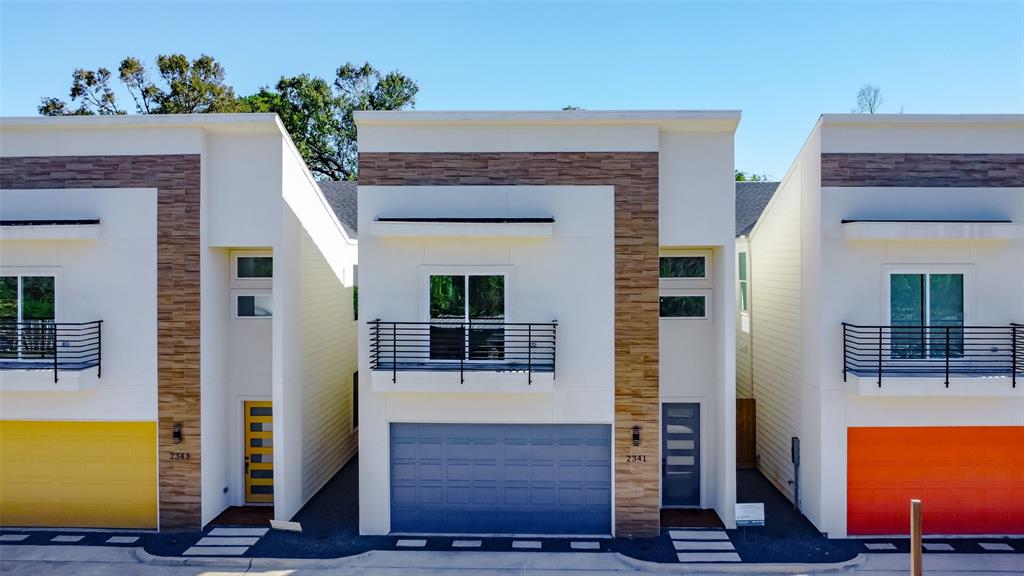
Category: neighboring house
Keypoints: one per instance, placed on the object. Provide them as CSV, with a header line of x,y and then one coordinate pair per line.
x,y
518,378
885,282
176,324
751,199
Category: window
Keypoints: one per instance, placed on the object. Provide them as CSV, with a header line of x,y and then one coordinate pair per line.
x,y
744,284
683,306
355,400
918,302
254,305
254,267
683,267
467,315
355,293
27,313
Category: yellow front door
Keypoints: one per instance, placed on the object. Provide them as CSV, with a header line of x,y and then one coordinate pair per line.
x,y
259,452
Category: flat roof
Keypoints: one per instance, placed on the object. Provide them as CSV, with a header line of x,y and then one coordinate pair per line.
x,y
254,122
827,119
651,117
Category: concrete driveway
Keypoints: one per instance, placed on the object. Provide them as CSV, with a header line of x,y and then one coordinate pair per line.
x,y
90,561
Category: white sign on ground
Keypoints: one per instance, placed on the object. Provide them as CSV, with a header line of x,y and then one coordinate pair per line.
x,y
749,514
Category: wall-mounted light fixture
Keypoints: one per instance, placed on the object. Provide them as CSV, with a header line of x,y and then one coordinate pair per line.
x,y
176,434
636,435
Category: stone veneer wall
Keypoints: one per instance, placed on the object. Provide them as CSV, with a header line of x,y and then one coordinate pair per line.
x,y
176,178
635,178
918,170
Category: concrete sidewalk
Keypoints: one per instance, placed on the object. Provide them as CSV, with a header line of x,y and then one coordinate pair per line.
x,y
96,560
87,561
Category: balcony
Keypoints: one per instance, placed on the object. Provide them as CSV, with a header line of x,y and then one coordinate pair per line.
x,y
44,345
913,360
477,355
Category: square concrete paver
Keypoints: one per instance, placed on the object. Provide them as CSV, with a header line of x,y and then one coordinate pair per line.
x,y
216,551
697,535
467,543
937,547
996,546
238,531
122,540
12,537
708,557
411,543
585,545
228,541
880,546
67,539
526,544
702,545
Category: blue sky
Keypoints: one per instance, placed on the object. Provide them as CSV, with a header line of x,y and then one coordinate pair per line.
x,y
781,63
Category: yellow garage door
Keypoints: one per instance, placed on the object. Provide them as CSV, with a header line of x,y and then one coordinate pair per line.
x,y
85,474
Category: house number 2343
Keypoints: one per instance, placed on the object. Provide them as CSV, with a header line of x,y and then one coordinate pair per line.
x,y
636,458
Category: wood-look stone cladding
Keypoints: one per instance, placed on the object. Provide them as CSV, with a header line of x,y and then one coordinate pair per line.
x,y
176,179
920,170
634,176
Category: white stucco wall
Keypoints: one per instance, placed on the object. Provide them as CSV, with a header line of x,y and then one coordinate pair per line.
x,y
568,277
112,278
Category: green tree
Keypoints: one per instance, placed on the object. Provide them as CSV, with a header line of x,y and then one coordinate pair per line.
x,y
320,117
189,87
742,176
869,99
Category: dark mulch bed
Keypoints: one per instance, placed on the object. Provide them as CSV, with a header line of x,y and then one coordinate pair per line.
x,y
787,536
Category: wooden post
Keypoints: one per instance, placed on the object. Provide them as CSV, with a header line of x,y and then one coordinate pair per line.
x,y
915,538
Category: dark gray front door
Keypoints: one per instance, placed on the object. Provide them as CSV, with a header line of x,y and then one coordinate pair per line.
x,y
680,455
501,478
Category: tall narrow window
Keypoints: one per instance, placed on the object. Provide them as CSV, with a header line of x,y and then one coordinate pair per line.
x,y
744,285
923,309
27,314
467,315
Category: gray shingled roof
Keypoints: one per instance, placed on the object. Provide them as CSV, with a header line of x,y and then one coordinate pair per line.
x,y
343,199
751,198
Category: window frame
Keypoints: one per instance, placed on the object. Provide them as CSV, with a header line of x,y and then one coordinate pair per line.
x,y
467,271
235,294
23,271
236,254
705,294
703,255
967,270
743,280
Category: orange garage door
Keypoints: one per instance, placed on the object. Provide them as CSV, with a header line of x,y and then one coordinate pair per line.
x,y
969,479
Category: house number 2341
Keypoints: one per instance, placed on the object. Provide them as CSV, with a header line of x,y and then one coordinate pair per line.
x,y
636,458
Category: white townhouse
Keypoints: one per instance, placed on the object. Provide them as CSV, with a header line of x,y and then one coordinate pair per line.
x,y
546,326
176,325
886,303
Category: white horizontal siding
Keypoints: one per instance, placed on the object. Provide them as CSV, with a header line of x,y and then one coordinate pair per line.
x,y
328,364
776,331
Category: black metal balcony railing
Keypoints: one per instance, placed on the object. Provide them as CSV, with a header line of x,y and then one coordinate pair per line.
x,y
48,345
909,351
463,346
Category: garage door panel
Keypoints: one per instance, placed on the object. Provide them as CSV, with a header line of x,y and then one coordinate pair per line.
x,y
970,479
522,479
78,474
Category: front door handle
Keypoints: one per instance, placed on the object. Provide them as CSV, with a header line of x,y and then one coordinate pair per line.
x,y
247,465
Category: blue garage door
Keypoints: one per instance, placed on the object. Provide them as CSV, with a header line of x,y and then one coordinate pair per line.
x,y
501,478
